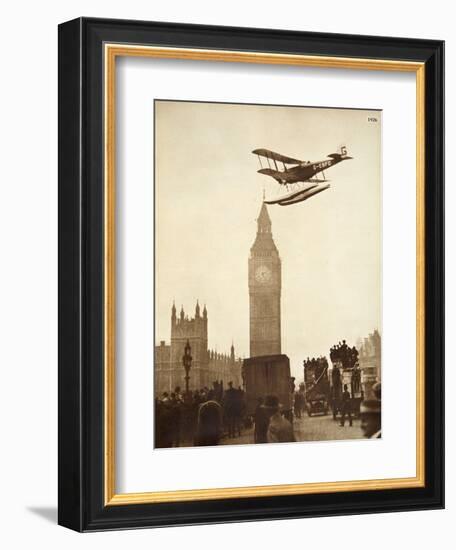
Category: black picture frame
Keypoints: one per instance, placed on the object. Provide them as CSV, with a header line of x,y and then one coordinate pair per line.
x,y
81,398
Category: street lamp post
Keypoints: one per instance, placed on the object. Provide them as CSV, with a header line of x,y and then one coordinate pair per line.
x,y
187,362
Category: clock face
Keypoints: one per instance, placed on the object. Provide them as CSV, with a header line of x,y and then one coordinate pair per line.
x,y
263,274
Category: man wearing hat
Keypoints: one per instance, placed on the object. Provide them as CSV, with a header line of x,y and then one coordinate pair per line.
x,y
229,409
346,407
261,419
280,429
371,415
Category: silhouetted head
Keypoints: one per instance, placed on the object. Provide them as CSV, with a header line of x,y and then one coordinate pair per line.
x,y
272,403
370,414
377,390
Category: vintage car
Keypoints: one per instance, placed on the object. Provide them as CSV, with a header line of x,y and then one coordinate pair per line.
x,y
317,404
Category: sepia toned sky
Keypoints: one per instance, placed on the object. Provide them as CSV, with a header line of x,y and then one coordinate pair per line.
x,y
208,195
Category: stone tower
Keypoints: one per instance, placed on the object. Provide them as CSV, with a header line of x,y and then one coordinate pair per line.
x,y
264,290
194,330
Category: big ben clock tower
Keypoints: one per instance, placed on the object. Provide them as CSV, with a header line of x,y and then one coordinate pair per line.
x,y
264,290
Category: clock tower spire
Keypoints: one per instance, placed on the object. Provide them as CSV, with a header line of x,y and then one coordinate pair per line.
x,y
264,290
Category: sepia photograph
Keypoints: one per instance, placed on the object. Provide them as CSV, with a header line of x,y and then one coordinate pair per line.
x,y
268,266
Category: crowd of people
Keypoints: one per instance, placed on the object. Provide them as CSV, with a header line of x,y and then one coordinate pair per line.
x,y
344,354
200,417
204,417
317,365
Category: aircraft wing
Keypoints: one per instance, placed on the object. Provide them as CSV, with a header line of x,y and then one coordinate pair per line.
x,y
269,172
266,153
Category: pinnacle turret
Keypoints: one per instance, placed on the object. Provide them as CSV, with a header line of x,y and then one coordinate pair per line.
x,y
264,242
264,221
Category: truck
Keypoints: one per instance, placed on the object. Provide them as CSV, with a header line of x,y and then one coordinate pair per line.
x,y
345,372
316,383
351,377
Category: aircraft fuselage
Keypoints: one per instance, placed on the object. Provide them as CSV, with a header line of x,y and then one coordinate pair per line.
x,y
306,171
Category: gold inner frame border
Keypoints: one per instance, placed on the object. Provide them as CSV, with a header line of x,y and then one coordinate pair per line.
x,y
110,53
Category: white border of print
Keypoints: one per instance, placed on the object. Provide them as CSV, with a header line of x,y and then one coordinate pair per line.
x,y
139,467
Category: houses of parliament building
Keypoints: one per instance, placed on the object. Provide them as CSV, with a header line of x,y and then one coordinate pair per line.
x,y
207,365
264,285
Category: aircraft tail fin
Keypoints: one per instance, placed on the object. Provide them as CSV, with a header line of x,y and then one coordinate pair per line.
x,y
341,153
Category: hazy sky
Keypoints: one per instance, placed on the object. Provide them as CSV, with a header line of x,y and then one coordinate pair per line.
x,y
209,194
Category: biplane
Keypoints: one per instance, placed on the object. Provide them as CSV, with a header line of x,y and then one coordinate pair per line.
x,y
300,175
